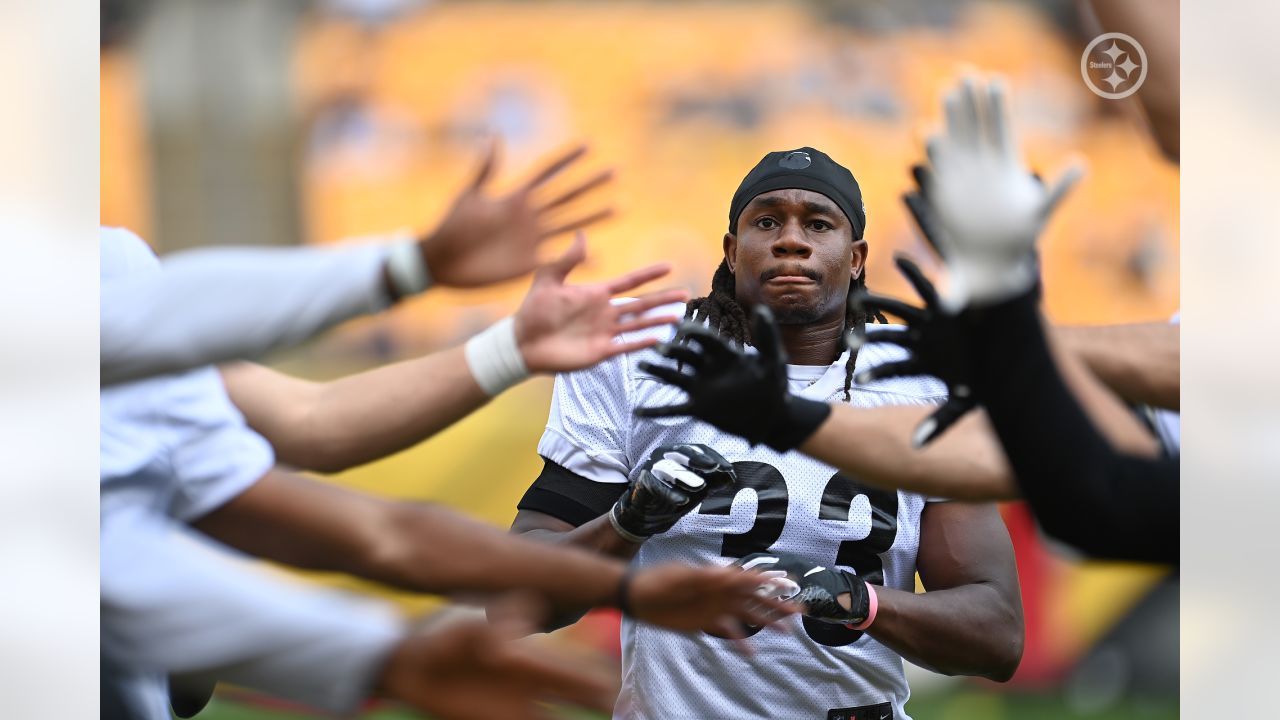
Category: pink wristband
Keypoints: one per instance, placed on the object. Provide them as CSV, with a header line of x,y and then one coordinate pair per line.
x,y
874,604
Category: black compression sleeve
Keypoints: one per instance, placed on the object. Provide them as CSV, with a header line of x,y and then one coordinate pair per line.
x,y
567,496
1084,493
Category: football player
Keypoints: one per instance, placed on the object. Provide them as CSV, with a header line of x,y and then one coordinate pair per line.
x,y
796,245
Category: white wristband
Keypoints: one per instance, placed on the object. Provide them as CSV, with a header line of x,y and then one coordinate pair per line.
x,y
495,359
407,269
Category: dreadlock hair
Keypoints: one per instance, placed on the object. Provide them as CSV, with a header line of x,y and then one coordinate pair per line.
x,y
721,311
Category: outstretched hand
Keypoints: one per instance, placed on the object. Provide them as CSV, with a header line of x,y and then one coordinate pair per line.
x,y
739,392
719,600
936,342
471,669
978,204
561,328
486,239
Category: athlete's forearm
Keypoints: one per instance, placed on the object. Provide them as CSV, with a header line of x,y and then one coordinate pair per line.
x,y
874,445
466,555
1116,421
218,304
597,536
414,546
329,427
965,630
1140,362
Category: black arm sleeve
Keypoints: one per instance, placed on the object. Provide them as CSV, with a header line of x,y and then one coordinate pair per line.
x,y
1084,493
567,496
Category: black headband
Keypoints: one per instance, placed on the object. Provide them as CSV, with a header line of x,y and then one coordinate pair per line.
x,y
803,169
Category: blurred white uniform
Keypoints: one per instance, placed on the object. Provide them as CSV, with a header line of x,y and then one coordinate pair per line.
x,y
226,303
173,448
801,669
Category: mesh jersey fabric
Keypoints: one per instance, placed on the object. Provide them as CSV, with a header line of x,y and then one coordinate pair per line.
x,y
791,503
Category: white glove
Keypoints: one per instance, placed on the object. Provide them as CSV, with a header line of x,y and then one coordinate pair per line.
x,y
987,206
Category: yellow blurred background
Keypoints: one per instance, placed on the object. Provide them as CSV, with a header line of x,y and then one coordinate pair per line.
x,y
682,99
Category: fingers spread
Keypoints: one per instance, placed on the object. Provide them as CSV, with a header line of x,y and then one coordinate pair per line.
x,y
900,368
578,224
998,131
644,323
684,354
487,164
1066,181
663,411
923,287
764,331
869,303
559,268
943,418
668,375
599,179
652,300
892,336
622,348
556,166
712,344
636,278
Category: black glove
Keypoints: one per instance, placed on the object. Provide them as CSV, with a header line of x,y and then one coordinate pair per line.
x,y
817,586
740,393
672,482
917,202
938,344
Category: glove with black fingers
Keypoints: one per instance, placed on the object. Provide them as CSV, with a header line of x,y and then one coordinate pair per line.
x,y
671,483
817,587
741,393
937,342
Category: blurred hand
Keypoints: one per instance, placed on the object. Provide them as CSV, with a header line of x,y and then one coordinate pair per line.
x,y
739,392
987,207
560,328
719,600
486,239
938,344
471,669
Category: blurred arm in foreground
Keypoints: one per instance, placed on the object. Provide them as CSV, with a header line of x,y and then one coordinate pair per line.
x,y
175,602
328,427
987,338
218,304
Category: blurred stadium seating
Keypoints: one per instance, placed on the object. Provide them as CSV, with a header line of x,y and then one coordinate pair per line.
x,y
683,99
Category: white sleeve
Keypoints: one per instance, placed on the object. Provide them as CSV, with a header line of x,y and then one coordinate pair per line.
x,y
215,455
174,601
589,425
216,304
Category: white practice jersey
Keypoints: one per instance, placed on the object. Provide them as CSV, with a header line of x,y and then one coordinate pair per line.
x,y
801,669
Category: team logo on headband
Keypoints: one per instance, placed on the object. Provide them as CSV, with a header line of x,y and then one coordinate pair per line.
x,y
796,160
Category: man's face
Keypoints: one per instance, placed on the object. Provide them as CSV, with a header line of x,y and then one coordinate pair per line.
x,y
794,251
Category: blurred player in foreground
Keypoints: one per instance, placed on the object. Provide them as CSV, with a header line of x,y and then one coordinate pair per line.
x,y
175,451
986,336
795,244
216,304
